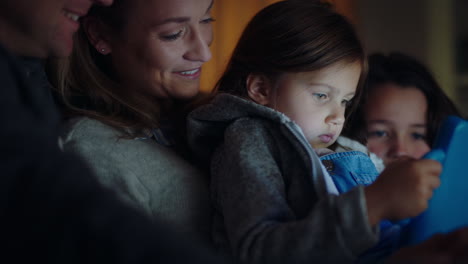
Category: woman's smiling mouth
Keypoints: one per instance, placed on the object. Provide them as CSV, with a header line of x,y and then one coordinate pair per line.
x,y
192,74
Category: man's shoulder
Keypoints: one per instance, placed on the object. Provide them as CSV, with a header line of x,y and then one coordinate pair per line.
x,y
9,67
4,53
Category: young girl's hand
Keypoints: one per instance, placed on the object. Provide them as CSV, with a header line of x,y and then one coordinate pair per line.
x,y
402,190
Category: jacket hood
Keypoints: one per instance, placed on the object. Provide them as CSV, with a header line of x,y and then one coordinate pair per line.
x,y
206,124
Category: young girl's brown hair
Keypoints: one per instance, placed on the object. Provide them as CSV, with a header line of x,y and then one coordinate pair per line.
x,y
289,37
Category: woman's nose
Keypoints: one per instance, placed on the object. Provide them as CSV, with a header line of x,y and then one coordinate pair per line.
x,y
199,49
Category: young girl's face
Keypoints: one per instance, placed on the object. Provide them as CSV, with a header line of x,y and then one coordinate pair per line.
x,y
317,100
396,122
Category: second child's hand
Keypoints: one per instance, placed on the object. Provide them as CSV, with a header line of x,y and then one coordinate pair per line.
x,y
402,190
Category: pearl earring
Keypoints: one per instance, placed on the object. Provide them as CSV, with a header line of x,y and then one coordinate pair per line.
x,y
103,50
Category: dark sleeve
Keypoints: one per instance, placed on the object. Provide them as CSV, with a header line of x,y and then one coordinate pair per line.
x,y
52,210
249,190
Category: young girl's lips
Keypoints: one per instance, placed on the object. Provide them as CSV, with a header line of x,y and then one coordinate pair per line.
x,y
190,74
326,138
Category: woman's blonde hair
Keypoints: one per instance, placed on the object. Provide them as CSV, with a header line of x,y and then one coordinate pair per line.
x,y
86,86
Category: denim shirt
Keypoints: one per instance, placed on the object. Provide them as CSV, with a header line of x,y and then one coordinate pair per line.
x,y
349,169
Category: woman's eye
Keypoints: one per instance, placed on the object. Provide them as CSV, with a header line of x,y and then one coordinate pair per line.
x,y
377,133
173,37
320,96
208,20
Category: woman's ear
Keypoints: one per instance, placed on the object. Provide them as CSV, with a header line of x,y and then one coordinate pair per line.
x,y
95,32
259,89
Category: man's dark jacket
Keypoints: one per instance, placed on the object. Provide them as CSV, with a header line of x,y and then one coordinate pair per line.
x,y
52,210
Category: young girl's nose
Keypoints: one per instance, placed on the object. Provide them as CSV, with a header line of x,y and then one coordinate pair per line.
x,y
336,116
398,148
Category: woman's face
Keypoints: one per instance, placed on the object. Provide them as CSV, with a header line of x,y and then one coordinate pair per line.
x,y
396,122
163,46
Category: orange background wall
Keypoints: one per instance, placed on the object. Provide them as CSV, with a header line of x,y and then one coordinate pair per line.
x,y
231,18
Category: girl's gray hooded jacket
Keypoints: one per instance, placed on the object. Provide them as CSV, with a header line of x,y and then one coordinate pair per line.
x,y
268,189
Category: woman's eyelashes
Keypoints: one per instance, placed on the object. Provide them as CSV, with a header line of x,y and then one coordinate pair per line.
x,y
207,20
180,32
172,37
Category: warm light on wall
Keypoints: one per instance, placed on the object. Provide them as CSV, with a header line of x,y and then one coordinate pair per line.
x,y
231,18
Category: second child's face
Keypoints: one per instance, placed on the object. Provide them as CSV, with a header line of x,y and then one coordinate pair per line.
x,y
396,122
317,100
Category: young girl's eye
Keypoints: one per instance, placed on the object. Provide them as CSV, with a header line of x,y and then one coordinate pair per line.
x,y
173,37
377,133
207,20
320,96
418,136
347,103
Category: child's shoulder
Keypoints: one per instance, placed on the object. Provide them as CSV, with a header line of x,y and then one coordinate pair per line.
x,y
252,127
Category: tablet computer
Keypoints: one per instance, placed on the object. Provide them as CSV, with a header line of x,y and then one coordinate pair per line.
x,y
448,207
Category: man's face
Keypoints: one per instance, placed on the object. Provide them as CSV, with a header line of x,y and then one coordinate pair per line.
x,y
45,27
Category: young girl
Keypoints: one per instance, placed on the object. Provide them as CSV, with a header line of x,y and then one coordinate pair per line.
x,y
295,71
403,109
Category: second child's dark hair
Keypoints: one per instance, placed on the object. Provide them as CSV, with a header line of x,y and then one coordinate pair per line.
x,y
290,37
407,72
